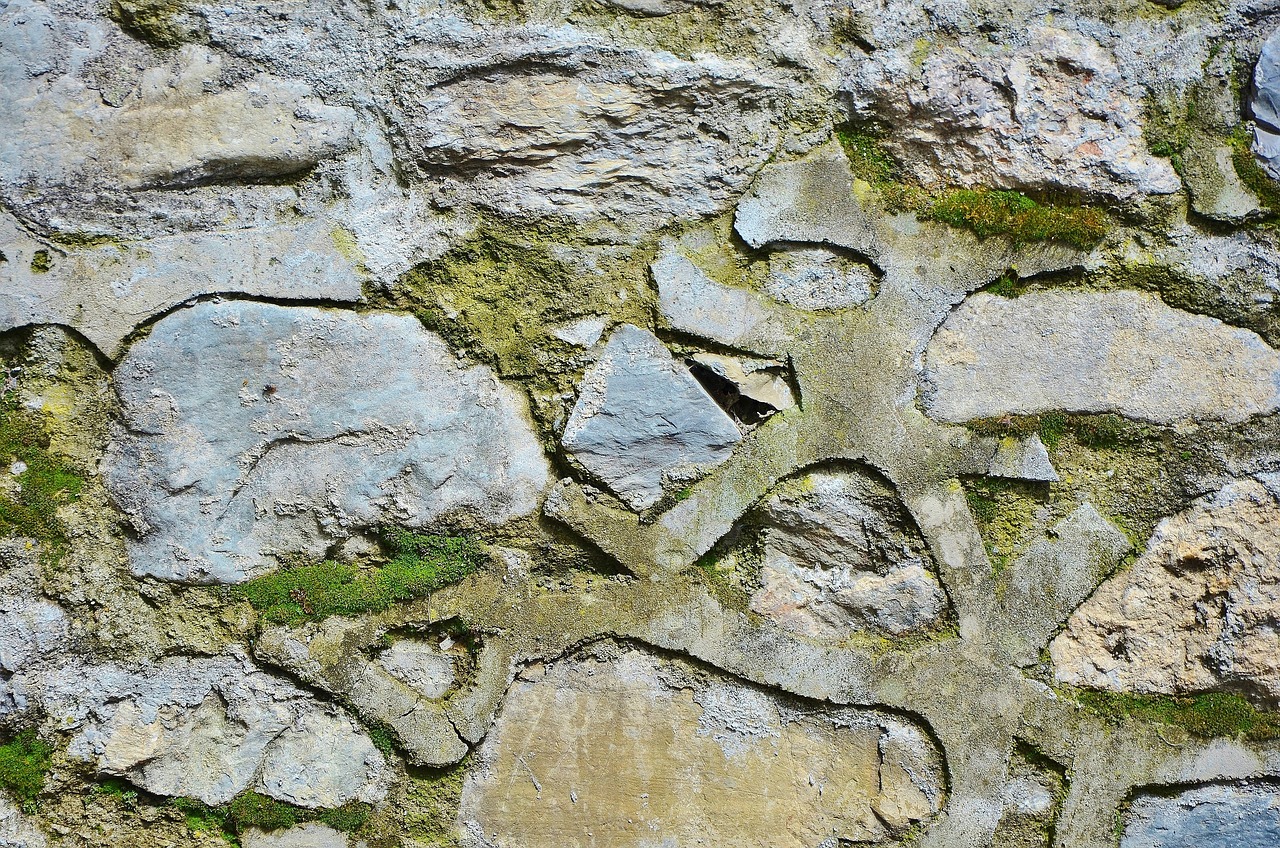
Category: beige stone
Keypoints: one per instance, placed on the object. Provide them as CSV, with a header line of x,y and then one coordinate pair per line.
x,y
1198,611
622,748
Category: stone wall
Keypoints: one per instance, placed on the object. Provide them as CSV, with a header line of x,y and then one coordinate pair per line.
x,y
547,423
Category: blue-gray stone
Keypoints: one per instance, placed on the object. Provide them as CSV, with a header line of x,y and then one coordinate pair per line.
x,y
1243,815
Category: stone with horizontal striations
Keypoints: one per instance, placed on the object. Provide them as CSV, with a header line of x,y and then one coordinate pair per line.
x,y
253,430
1265,106
642,420
1121,352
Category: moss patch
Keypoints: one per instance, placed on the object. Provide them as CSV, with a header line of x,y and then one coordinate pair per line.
x,y
1003,510
431,806
44,483
251,810
1251,173
1210,715
420,565
24,762
985,212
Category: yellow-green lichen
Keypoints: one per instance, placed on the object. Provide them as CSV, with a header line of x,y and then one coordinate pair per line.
x,y
164,23
1208,715
431,802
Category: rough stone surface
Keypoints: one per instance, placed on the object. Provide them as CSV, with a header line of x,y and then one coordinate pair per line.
x,y
1216,189
420,664
1265,106
642,421
1121,352
819,278
16,830
840,556
640,733
207,729
1023,459
1230,816
1197,611
763,381
252,430
309,835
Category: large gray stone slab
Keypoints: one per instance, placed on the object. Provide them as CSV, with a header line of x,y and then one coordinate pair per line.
x,y
252,430
1228,816
642,421
1121,352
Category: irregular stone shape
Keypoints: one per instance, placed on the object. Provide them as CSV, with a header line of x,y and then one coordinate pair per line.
x,y
584,332
641,419
1120,352
763,381
1030,801
422,665
206,728
817,278
171,133
691,301
1050,579
842,555
30,628
1216,189
107,290
1240,815
630,750
1265,105
553,124
1050,109
1023,459
1198,611
253,430
16,830
310,835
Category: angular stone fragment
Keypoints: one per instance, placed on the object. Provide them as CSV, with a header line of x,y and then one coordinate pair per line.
x,y
1050,579
1120,352
1235,815
1216,189
310,835
762,381
1023,459
1265,106
842,555
691,301
207,728
626,749
1198,611
641,419
254,430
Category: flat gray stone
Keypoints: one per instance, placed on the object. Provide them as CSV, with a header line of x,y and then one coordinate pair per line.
x,y
1121,352
1241,815
253,430
310,835
691,301
642,420
1216,189
818,279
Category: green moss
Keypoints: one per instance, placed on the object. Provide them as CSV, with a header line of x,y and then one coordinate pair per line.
x,y
1208,715
24,762
46,483
1003,510
431,814
1251,173
985,212
251,810
1098,432
420,565
41,262
989,212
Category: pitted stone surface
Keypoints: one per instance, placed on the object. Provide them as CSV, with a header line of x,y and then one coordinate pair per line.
x,y
642,420
629,749
1197,611
1265,106
252,430
1121,352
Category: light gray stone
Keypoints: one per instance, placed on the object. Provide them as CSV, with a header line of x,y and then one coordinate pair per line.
x,y
253,430
1240,815
1050,579
691,301
1122,352
641,420
422,665
16,830
207,728
584,332
819,279
1216,189
1265,105
30,628
841,555
1023,459
1197,611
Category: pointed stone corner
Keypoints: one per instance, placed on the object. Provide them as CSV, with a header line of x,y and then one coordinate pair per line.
x,y
642,420
1023,459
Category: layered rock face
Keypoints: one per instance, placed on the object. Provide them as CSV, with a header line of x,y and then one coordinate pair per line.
x,y
639,423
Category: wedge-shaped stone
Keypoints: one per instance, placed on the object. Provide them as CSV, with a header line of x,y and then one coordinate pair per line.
x,y
618,747
642,420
